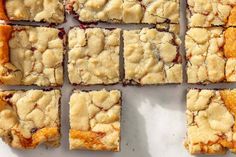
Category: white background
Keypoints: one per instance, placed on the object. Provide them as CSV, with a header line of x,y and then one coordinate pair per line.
x,y
153,117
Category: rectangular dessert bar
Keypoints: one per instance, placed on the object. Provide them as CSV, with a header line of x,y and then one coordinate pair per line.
x,y
93,56
211,55
95,120
31,55
151,56
50,11
211,125
207,13
125,11
30,118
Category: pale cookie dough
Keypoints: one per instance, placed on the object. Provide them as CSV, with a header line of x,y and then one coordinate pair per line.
x,y
207,13
125,11
211,127
93,56
30,118
151,56
31,55
95,120
211,55
50,11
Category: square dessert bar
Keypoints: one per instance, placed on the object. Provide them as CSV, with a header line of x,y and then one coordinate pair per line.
x,y
94,56
95,120
125,11
50,11
30,118
151,56
211,55
207,13
31,55
211,126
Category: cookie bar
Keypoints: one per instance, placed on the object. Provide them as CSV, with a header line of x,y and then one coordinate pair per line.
x,y
151,56
211,55
93,56
50,11
211,126
207,13
125,11
31,55
30,118
95,120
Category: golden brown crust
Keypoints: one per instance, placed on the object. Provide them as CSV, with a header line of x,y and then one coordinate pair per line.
x,y
232,17
230,42
91,140
3,15
5,35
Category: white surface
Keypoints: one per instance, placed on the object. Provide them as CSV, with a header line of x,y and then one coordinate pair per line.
x,y
153,118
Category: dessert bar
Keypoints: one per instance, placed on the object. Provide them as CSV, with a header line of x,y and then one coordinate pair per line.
x,y
125,11
93,56
95,120
207,13
30,118
211,127
50,11
211,55
151,56
31,55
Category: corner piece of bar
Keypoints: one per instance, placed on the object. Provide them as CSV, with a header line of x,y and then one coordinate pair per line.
x,y
30,118
31,55
151,56
125,11
95,120
34,11
208,13
211,127
211,55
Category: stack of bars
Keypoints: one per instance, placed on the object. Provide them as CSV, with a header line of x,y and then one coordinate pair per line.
x,y
210,44
34,56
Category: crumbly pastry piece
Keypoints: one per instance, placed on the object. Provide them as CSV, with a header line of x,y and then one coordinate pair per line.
x,y
31,55
95,120
211,126
126,11
210,54
151,56
50,11
93,56
30,118
207,13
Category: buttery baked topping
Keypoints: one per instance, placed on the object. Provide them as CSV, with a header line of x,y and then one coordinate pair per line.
x,y
151,57
207,13
211,56
51,11
95,120
31,56
93,56
30,118
127,11
211,121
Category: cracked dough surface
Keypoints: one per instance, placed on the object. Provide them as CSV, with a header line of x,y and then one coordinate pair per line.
x,y
210,54
151,57
30,118
94,56
31,55
207,13
127,11
51,11
95,120
211,127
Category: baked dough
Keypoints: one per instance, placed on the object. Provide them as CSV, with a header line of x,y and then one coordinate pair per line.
x,y
30,118
95,120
